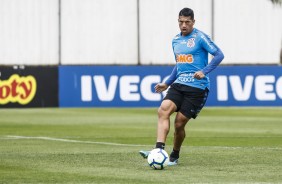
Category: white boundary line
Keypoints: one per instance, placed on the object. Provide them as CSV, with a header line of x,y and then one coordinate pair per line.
x,y
69,140
12,137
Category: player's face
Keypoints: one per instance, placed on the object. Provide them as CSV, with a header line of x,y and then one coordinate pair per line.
x,y
186,25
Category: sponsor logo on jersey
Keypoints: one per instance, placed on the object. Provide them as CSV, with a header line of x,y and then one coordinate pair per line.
x,y
17,89
186,78
184,58
191,42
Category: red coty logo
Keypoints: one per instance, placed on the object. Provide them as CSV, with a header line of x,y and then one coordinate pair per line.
x,y
17,89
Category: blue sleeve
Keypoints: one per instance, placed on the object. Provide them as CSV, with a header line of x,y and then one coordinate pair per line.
x,y
172,77
218,57
208,44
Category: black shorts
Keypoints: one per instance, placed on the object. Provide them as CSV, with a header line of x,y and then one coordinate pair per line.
x,y
188,100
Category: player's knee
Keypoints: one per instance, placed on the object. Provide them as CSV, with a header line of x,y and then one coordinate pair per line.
x,y
179,126
180,123
166,109
161,112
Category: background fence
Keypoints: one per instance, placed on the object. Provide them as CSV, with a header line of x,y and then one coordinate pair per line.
x,y
130,32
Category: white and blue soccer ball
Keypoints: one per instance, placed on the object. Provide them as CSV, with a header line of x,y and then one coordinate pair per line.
x,y
158,159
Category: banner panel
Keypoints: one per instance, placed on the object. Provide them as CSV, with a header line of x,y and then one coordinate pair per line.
x,y
133,86
110,86
246,86
28,86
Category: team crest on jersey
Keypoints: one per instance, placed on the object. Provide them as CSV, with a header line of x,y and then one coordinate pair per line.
x,y
191,42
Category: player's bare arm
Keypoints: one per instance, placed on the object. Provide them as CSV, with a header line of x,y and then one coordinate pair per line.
x,y
160,87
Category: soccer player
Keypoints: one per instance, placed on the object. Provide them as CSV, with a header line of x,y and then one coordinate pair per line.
x,y
189,82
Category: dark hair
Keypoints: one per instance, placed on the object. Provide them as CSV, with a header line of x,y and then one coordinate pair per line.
x,y
187,12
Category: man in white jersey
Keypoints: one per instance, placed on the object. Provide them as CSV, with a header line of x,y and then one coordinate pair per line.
x,y
189,82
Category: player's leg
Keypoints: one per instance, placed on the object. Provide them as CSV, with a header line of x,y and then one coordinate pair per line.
x,y
193,102
179,126
172,100
179,136
165,110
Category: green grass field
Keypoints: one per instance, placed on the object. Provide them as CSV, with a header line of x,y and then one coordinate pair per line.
x,y
91,145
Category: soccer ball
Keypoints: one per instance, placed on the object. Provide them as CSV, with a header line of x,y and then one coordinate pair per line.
x,y
158,159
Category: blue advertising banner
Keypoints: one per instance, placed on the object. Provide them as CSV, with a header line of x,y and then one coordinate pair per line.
x,y
246,86
110,86
133,86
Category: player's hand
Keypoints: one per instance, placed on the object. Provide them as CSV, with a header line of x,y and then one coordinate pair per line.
x,y
160,87
199,75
